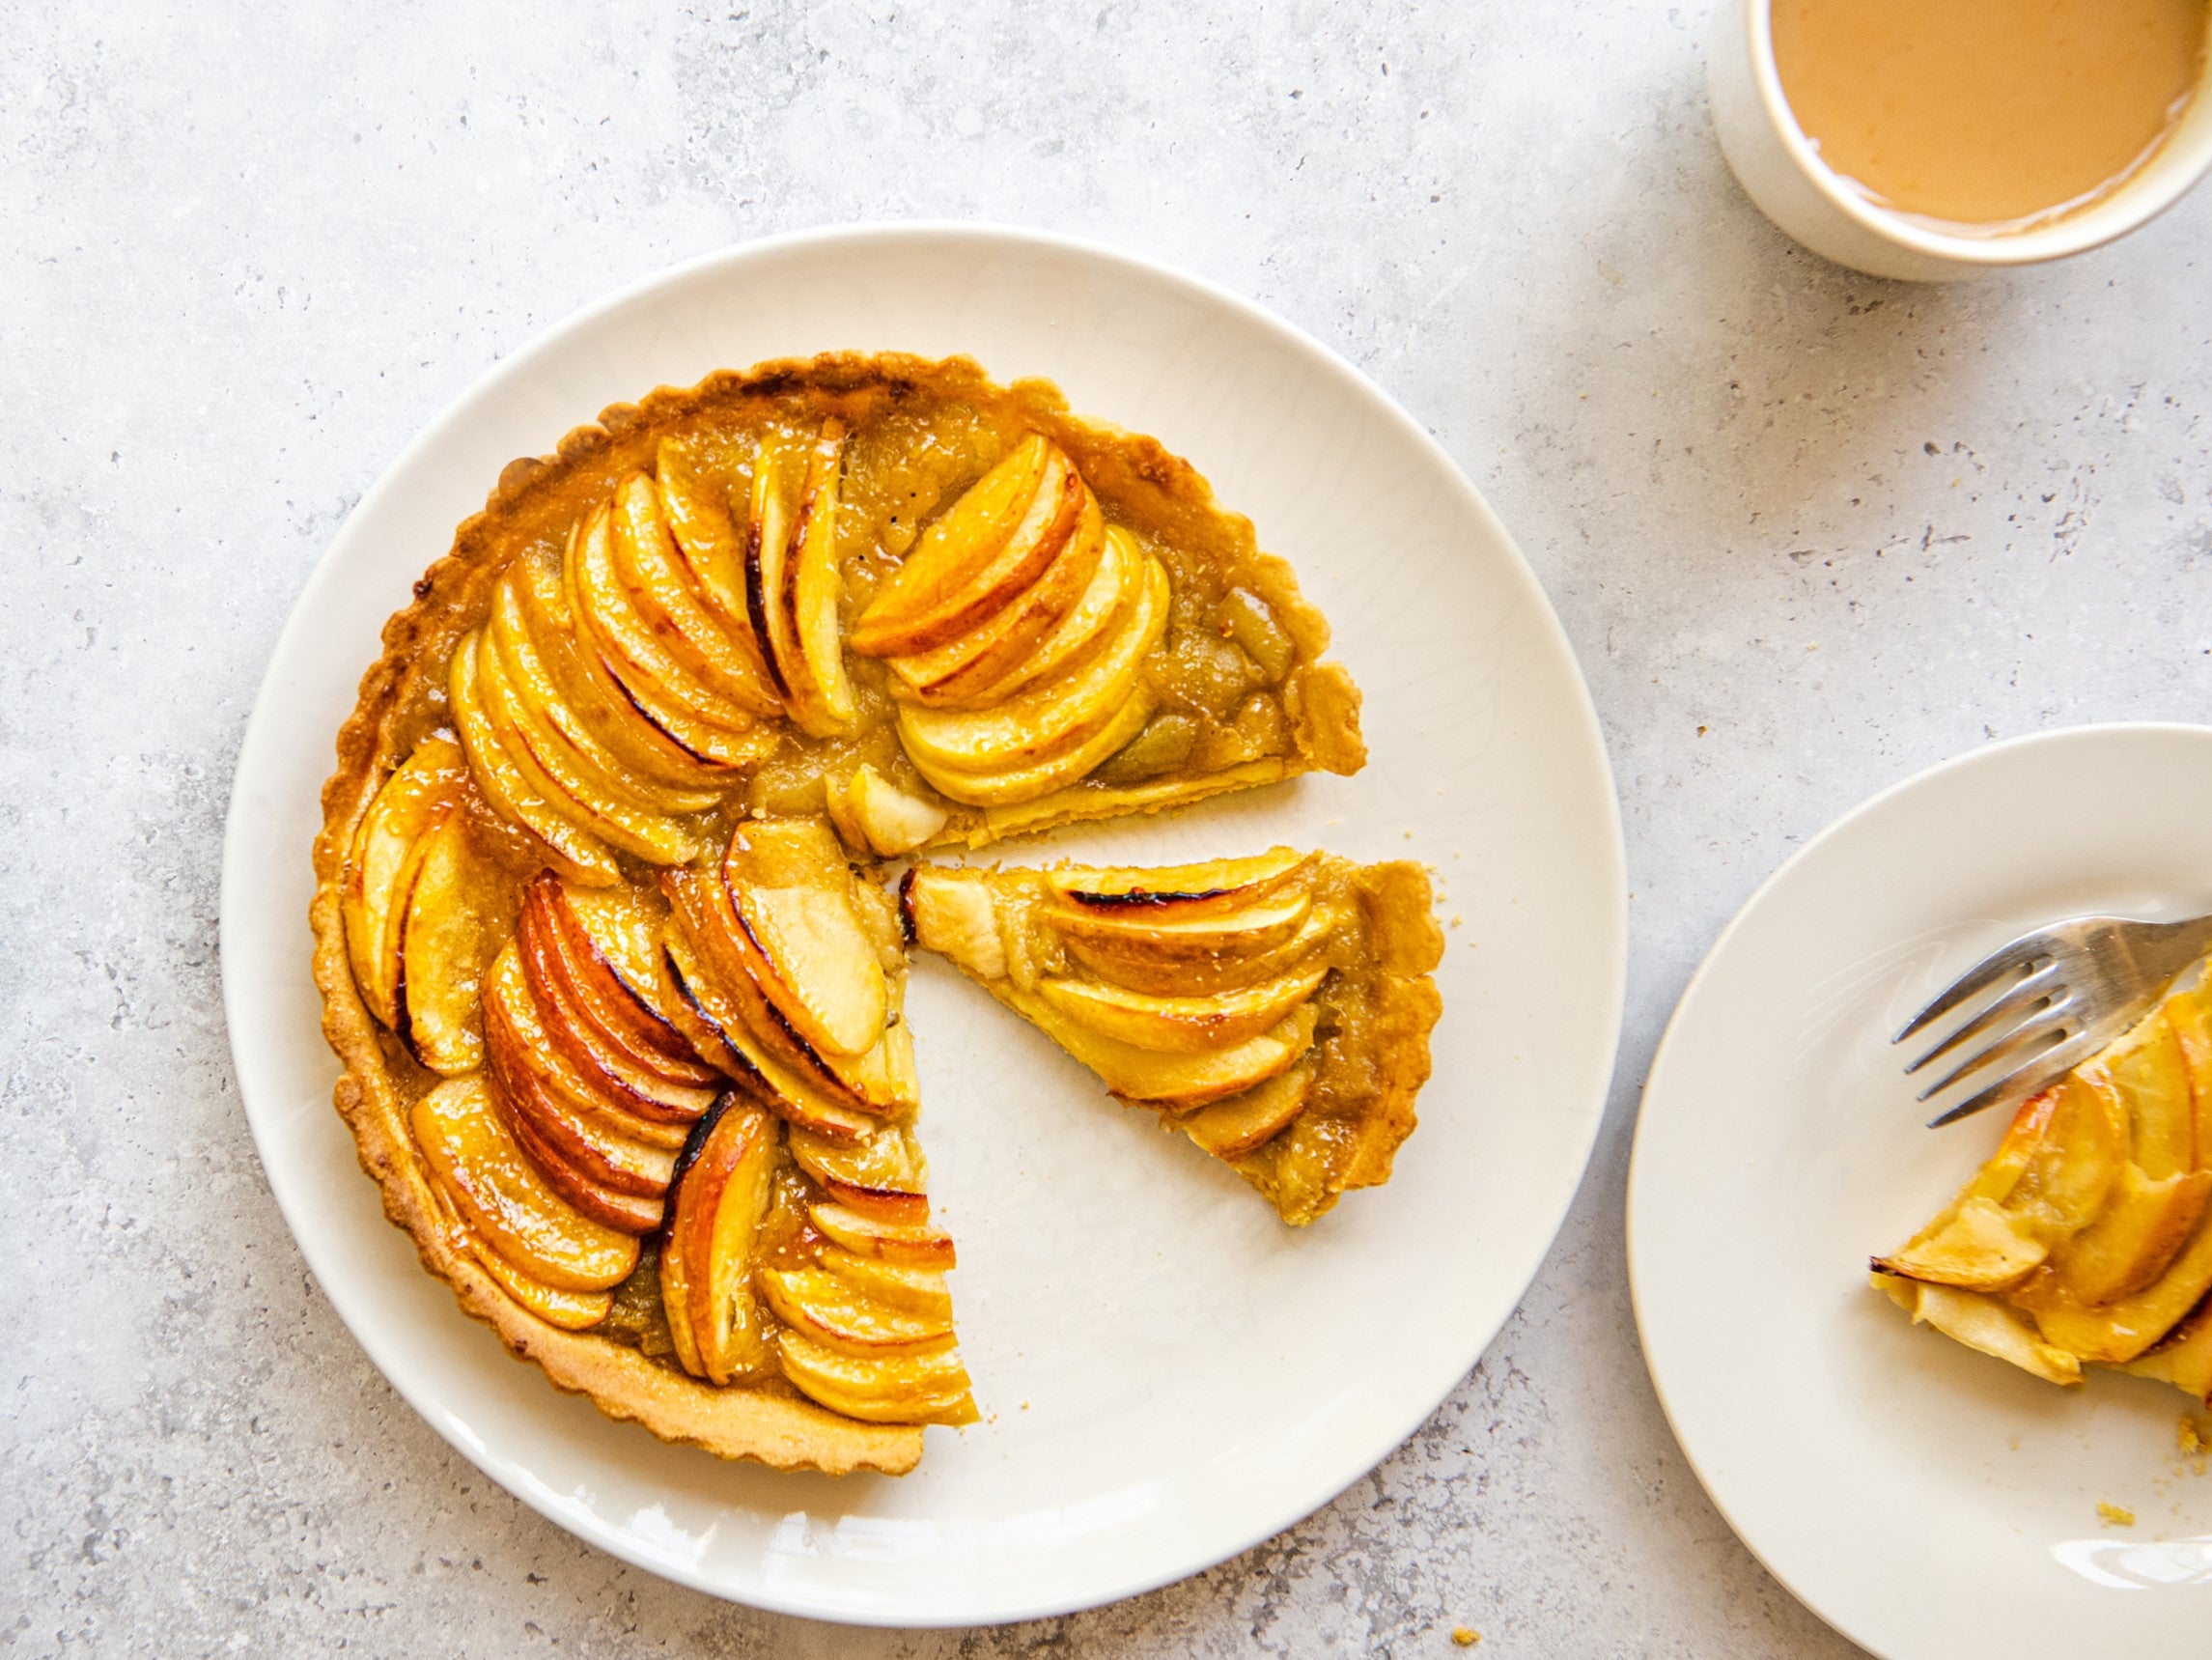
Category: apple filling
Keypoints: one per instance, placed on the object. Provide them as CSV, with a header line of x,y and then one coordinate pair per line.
x,y
1275,1009
2086,1240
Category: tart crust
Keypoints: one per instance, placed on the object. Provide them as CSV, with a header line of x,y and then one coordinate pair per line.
x,y
401,698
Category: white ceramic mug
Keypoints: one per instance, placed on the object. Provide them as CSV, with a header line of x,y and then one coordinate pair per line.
x,y
1781,171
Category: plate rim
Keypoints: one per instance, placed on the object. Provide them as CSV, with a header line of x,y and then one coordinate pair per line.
x,y
1962,760
729,261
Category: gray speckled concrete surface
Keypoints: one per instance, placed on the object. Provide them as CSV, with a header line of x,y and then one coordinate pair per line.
x,y
1808,532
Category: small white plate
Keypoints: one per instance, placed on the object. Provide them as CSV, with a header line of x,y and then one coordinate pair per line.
x,y
1927,1501
1168,1374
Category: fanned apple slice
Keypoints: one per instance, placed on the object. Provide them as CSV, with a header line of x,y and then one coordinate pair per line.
x,y
2184,1358
499,1193
713,543
768,545
928,1388
1981,1322
922,1290
906,1245
1245,1123
570,1310
1006,639
883,1174
581,678
377,869
1159,1079
874,815
1122,570
2184,1012
1204,976
1133,936
1185,892
531,679
1054,716
563,1064
1031,783
555,774
650,571
2127,1248
2121,1330
613,939
2150,1073
1981,1248
1183,1025
823,702
707,1259
458,910
834,1312
791,893
575,851
940,575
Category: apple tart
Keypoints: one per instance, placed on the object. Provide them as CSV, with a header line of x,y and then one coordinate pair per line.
x,y
620,1011
1275,1010
2086,1240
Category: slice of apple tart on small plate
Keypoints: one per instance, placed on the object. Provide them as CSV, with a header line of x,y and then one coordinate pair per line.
x,y
1273,1009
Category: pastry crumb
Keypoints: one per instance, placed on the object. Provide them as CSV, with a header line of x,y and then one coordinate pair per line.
x,y
2115,1516
1466,1636
2188,1437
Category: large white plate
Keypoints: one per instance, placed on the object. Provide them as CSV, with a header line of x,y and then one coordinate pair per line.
x,y
1168,1374
1928,1502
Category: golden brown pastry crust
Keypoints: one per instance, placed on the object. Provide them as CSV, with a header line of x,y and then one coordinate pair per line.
x,y
401,695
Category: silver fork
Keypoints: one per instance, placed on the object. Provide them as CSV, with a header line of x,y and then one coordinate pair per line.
x,y
2063,992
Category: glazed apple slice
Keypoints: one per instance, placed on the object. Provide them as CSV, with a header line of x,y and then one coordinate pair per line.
x,y
720,1032
499,1193
2150,1072
1176,1081
557,775
1032,782
941,575
2122,1329
532,684
800,936
768,545
1979,1248
921,1290
1183,1025
1982,1322
1224,971
721,1196
2133,1241
570,1310
1136,935
838,1314
1245,1123
609,1207
989,652
822,701
457,912
2183,1358
905,1245
1112,589
378,867
650,569
612,941
1219,887
874,815
1052,718
712,544
881,1174
931,1387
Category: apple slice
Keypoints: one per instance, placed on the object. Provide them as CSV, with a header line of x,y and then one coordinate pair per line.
x,y
2077,1161
691,715
721,1197
2184,1358
767,545
838,1314
1030,783
954,913
1231,970
499,1193
1219,887
721,1035
1133,935
1245,1123
1981,1322
942,574
563,1061
2132,1243
988,654
712,541
530,677
650,569
905,1244
609,1207
2150,1070
1054,716
875,815
568,847
813,583
2185,1013
613,940
883,1174
796,929
920,1291
1183,1025
458,910
557,775
1180,1080
570,1310
2121,1330
1979,1248
1112,588
378,867
927,1388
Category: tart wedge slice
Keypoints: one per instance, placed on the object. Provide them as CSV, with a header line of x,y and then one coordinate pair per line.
x,y
1275,1009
